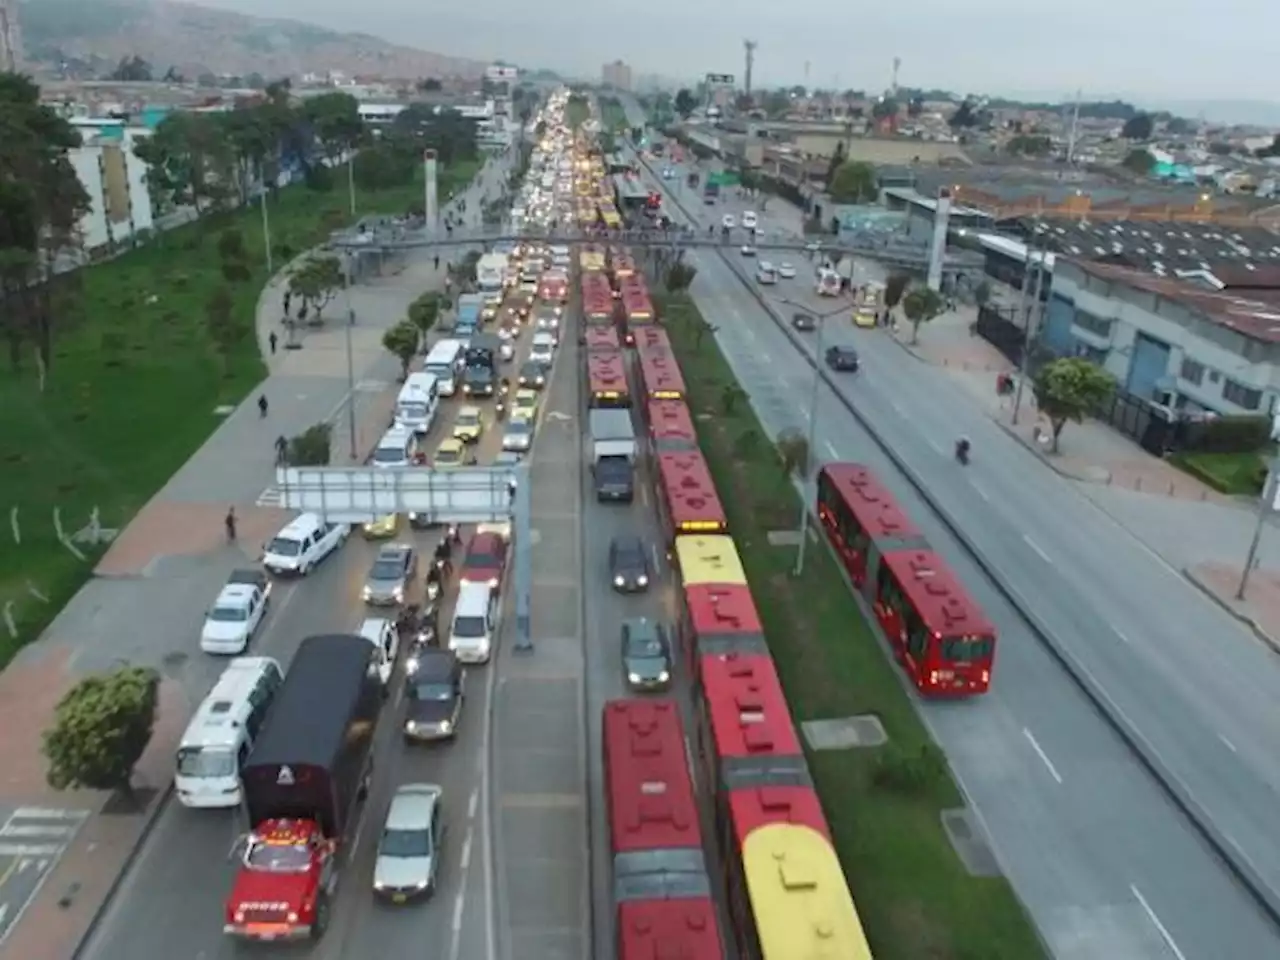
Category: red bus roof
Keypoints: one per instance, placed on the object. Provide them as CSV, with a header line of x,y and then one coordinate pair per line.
x,y
685,929
671,427
724,619
648,789
937,594
652,338
635,283
600,337
660,374
637,305
869,500
624,266
751,809
689,493
606,373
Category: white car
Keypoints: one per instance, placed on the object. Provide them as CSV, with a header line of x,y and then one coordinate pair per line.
x,y
766,274
543,348
748,250
382,633
235,615
728,222
750,220
786,271
506,350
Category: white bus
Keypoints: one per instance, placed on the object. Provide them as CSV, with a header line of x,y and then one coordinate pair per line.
x,y
443,362
219,737
416,405
828,283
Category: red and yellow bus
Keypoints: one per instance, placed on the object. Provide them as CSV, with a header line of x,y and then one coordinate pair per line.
x,y
671,428
717,619
661,886
600,337
687,499
937,633
652,337
637,310
607,379
591,259
660,377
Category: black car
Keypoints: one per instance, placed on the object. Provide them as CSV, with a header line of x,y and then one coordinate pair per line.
x,y
433,693
646,655
628,564
533,375
842,358
804,322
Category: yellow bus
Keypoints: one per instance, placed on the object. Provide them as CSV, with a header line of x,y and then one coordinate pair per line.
x,y
611,218
709,560
802,905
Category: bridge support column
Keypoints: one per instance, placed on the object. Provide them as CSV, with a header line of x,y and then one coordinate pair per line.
x,y
430,207
938,244
522,528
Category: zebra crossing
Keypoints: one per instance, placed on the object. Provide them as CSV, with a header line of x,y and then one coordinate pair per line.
x,y
270,497
39,832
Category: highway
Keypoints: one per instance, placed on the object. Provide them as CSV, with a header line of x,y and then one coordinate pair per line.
x,y
171,902
1105,863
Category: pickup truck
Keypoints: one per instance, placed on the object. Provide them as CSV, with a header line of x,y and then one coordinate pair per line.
x,y
236,613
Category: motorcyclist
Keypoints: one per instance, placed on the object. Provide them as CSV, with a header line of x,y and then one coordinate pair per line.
x,y
962,449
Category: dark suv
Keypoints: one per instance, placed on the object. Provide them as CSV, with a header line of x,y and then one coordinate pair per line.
x,y
628,564
842,359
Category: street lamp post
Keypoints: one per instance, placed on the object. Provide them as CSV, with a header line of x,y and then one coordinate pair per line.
x,y
802,525
351,180
348,274
266,222
1028,307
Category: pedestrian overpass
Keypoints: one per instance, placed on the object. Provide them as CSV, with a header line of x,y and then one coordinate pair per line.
x,y
463,495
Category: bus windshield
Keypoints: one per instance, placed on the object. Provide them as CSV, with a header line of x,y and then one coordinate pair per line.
x,y
967,649
206,762
278,857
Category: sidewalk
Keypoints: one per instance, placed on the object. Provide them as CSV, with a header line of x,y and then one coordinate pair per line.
x,y
147,598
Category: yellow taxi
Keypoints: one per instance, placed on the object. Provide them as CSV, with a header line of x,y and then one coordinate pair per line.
x,y
450,453
491,307
524,405
381,528
468,426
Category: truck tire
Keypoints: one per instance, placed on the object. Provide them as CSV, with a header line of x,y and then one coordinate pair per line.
x,y
322,916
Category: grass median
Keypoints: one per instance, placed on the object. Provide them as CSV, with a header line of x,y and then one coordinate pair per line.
x,y
134,386
916,900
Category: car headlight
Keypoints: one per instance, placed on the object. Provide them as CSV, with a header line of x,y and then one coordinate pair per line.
x,y
493,582
367,593
292,917
398,593
663,677
618,581
446,726
423,884
379,885
239,917
411,666
642,580
633,678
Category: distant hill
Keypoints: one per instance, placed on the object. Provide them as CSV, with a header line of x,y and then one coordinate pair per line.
x,y
94,35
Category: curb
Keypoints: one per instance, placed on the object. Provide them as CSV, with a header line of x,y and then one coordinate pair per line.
x,y
1230,607
1226,849
152,817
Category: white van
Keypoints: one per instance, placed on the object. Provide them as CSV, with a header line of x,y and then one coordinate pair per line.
x,y
443,362
475,621
543,348
220,735
828,283
416,405
395,449
303,543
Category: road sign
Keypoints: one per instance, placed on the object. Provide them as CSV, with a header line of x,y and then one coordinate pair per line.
x,y
361,494
724,178
719,79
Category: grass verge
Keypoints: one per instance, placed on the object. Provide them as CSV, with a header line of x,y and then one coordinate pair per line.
x,y
916,900
132,388
1235,474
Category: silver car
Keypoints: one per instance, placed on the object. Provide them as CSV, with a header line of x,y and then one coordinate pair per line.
x,y
518,436
391,576
409,849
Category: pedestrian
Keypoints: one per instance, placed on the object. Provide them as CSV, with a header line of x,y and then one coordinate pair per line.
x,y
302,314
282,451
437,262
272,339
230,523
262,405
288,297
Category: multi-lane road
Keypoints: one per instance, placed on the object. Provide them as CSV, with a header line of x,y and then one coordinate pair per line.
x,y
1104,861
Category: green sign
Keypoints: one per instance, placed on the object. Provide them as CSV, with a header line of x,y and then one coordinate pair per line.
x,y
725,178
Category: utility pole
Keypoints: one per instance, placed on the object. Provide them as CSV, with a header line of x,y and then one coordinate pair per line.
x,y
348,280
749,48
1073,131
1028,306
266,220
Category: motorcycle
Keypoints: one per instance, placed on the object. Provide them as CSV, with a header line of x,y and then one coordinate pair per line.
x,y
500,410
962,452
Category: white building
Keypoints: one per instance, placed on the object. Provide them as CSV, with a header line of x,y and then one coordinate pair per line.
x,y
114,177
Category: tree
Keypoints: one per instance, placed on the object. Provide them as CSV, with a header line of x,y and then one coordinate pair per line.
x,y
894,287
777,104
316,281
854,182
885,108
1139,127
921,305
1139,161
964,117
424,312
131,70
685,103
190,161
838,158
679,276
730,397
1070,388
312,447
222,325
335,122
402,341
429,85
100,729
793,452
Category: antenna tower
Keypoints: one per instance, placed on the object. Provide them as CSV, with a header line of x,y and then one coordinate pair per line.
x,y
749,48
893,86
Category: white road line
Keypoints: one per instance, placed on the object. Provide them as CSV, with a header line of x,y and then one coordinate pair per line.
x,y
466,853
804,411
893,405
49,813
1037,548
1228,744
937,447
1124,638
977,488
46,830
1053,771
1155,922
831,450
29,850
473,803
459,905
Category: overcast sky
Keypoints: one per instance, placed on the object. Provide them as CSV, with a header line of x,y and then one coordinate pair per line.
x,y
1173,49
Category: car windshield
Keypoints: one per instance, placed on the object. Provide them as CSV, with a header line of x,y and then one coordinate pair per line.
x,y
389,455
518,428
206,762
283,547
469,627
431,692
644,648
531,371
278,857
405,843
386,569
468,419
628,554
229,614
447,456
413,409
444,370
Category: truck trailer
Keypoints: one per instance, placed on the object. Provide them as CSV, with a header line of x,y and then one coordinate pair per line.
x,y
303,785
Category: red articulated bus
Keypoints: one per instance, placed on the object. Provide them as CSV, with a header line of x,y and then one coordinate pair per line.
x,y
624,268
687,499
719,618
660,880
601,337
755,760
607,379
637,309
652,337
936,631
671,428
660,377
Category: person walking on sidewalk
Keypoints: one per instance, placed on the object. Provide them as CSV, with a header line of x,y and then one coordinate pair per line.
x,y
262,405
272,340
230,523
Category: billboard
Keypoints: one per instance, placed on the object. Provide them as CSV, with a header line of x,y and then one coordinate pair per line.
x,y
501,73
719,80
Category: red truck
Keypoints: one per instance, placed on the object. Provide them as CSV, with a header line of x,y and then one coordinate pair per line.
x,y
303,784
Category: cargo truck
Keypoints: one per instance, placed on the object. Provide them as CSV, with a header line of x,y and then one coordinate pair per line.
x,y
304,784
613,453
470,307
491,272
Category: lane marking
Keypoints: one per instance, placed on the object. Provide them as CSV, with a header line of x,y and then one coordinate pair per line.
x,y
893,405
977,488
465,862
937,448
459,905
1044,757
1155,922
835,454
472,803
1121,634
1228,744
13,830
1038,549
